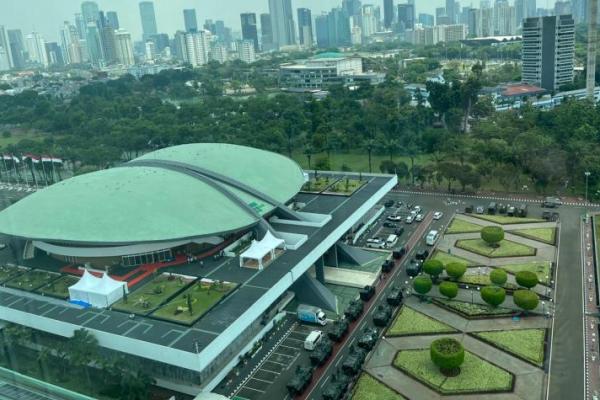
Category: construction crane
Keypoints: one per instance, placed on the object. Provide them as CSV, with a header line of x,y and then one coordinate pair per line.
x,y
591,53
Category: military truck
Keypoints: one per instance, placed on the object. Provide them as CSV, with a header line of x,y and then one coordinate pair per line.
x,y
321,353
338,330
368,338
336,388
387,266
299,381
394,298
382,315
366,293
354,309
354,361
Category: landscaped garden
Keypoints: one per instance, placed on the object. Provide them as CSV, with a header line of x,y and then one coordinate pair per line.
x,y
32,280
504,248
505,220
411,322
527,344
346,186
59,288
318,184
461,226
474,310
8,272
545,235
147,298
446,258
369,388
543,269
483,280
476,375
192,303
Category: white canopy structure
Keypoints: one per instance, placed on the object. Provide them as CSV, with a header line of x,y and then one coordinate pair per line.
x,y
258,250
97,292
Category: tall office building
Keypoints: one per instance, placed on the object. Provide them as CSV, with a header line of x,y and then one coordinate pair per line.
x,y
90,11
505,18
339,30
305,28
530,8
197,47
17,47
562,8
70,44
282,23
179,46
368,21
222,32
190,21
6,61
36,47
579,10
249,29
548,51
322,30
352,7
426,19
124,48
112,19
451,11
54,54
406,13
148,19
266,32
388,13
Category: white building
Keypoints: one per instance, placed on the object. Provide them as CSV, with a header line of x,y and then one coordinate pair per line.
x,y
6,61
368,21
219,52
70,44
150,51
36,47
197,47
505,19
245,50
124,47
440,33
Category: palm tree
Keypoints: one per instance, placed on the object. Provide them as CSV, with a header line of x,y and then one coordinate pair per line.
x,y
369,145
308,152
84,351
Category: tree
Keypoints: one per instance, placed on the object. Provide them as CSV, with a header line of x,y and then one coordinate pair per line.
x,y
83,351
498,277
493,295
456,269
433,268
449,289
492,235
422,284
526,299
527,279
448,355
189,303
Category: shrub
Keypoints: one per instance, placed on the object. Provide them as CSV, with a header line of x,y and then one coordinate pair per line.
x,y
527,279
498,277
526,299
447,354
433,268
449,289
422,284
492,235
456,269
493,295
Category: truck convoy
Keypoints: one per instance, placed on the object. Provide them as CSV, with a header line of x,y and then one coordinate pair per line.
x,y
311,314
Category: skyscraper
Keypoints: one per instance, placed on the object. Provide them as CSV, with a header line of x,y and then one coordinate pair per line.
x,y
249,29
305,28
368,20
426,19
282,23
17,47
548,51
112,19
451,11
148,19
124,48
70,44
562,8
352,7
405,17
90,11
388,13
94,43
36,47
54,54
266,32
198,47
338,24
6,61
322,29
190,21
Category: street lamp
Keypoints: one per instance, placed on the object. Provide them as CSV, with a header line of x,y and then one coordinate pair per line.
x,y
587,176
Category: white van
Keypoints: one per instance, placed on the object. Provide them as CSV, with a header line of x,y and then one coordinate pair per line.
x,y
312,340
432,237
391,241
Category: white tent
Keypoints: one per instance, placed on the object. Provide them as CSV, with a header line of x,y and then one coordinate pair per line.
x,y
258,250
98,292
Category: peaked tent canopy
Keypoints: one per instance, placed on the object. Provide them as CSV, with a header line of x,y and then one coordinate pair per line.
x,y
97,292
258,250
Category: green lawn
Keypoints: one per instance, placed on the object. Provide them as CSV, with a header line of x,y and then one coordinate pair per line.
x,y
32,280
506,248
369,388
543,269
525,343
446,258
204,295
411,322
545,235
474,309
483,280
60,287
17,136
10,272
358,161
147,298
476,374
461,226
504,220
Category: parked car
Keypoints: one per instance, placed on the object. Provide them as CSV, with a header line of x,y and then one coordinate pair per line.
x,y
480,210
399,204
399,231
419,217
376,243
523,210
551,202
510,211
388,224
389,203
367,293
501,208
394,218
469,209
438,215
409,219
418,209
492,208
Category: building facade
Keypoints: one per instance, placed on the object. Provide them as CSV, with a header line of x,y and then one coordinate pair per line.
x,y
148,19
305,27
189,20
124,47
249,28
282,23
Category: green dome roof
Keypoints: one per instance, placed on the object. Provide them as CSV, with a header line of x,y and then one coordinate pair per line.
x,y
142,203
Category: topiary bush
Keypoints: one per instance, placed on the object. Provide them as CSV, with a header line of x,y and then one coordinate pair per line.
x,y
422,284
448,355
498,277
449,289
527,279
493,295
433,268
526,299
455,270
492,235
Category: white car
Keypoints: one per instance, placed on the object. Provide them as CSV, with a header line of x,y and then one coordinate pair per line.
x,y
375,243
394,218
419,217
417,209
438,215
409,219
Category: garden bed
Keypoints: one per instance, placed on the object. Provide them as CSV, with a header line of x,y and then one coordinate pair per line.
x,y
345,186
483,280
320,184
504,220
526,344
476,374
461,226
32,280
473,310
505,248
544,235
151,295
446,258
543,269
205,294
59,288
8,272
409,322
369,388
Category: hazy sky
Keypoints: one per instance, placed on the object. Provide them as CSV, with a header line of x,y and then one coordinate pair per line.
x,y
46,16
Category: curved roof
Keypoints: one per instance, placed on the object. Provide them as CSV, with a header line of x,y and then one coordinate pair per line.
x,y
142,203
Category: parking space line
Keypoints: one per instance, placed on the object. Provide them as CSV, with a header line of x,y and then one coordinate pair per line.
x,y
262,380
283,355
288,347
275,362
268,370
297,340
251,388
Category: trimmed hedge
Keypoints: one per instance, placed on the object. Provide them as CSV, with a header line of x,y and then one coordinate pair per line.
x,y
447,354
449,289
493,295
456,269
433,268
492,234
526,299
498,277
422,284
527,279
